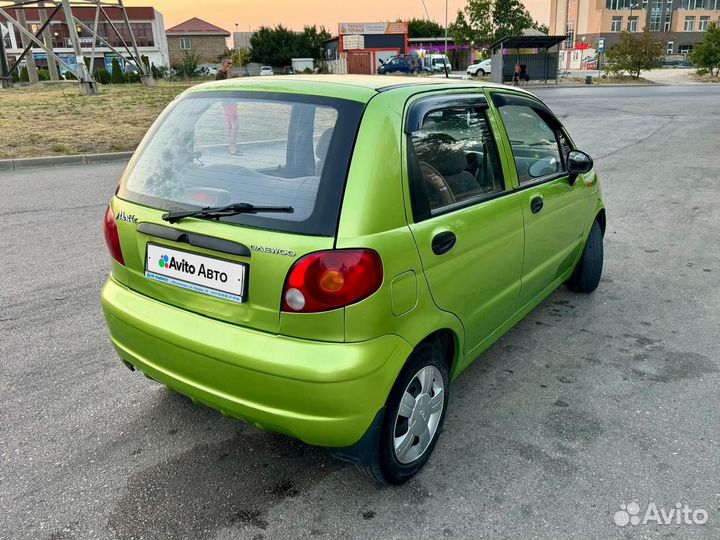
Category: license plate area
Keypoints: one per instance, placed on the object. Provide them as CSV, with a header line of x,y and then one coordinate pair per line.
x,y
195,272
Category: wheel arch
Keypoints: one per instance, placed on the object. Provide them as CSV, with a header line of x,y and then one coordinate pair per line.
x,y
601,219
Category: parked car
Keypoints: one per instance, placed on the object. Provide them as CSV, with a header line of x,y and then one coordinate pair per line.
x,y
480,69
437,62
366,242
400,64
266,70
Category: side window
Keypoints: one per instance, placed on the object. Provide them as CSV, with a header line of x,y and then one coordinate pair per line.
x,y
536,146
453,157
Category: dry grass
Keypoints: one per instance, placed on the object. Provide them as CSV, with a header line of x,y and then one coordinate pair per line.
x,y
58,120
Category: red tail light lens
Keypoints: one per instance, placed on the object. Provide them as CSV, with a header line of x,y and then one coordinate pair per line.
x,y
331,279
111,236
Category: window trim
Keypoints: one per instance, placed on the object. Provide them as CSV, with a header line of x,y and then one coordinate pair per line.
x,y
414,118
545,114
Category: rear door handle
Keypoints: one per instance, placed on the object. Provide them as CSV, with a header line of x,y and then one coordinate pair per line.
x,y
443,242
536,204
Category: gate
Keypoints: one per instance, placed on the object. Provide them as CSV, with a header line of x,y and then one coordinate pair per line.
x,y
359,62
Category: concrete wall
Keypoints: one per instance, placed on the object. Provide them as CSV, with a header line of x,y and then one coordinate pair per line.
x,y
208,47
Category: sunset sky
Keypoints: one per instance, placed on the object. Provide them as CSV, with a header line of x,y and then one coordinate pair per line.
x,y
250,14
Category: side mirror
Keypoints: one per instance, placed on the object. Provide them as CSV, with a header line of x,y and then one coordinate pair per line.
x,y
578,163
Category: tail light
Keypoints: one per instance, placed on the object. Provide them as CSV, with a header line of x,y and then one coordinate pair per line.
x,y
331,279
111,236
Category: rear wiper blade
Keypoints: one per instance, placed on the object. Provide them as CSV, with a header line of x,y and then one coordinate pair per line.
x,y
216,212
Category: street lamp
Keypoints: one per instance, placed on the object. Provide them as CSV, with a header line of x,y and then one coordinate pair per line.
x,y
632,6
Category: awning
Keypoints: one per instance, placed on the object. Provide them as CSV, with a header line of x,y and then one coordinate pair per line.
x,y
528,42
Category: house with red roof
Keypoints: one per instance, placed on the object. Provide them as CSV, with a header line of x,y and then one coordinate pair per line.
x,y
206,39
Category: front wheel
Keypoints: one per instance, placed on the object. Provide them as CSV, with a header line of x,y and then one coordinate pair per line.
x,y
586,276
414,415
480,73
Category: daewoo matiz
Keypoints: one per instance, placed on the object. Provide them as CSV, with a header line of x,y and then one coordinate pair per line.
x,y
320,256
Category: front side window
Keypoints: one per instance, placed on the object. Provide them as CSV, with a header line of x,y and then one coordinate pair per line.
x,y
538,148
218,148
454,159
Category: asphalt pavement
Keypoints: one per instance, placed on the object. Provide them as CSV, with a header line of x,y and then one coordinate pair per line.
x,y
590,403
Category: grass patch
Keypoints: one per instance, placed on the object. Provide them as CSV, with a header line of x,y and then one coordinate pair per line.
x,y
52,120
608,79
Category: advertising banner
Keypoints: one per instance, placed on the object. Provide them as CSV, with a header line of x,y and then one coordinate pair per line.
x,y
373,28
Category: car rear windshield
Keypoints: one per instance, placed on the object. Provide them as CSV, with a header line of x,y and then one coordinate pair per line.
x,y
218,148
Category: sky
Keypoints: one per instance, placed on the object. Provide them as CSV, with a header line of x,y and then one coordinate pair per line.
x,y
250,14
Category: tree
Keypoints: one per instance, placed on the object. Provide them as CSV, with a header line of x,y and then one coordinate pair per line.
x,y
423,28
486,21
276,46
633,53
707,54
189,63
239,57
310,42
116,77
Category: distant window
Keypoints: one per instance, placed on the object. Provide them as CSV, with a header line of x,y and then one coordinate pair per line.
x,y
616,24
633,24
670,47
685,49
186,43
689,24
704,21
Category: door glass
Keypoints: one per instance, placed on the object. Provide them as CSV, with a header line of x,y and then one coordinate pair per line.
x,y
455,157
534,143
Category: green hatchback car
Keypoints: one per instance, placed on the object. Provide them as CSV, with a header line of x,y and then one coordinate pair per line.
x,y
320,256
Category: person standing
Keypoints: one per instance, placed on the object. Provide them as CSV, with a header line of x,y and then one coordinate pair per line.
x,y
230,109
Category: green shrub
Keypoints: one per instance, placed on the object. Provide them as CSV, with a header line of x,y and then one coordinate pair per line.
x,y
117,77
43,74
307,71
24,75
102,76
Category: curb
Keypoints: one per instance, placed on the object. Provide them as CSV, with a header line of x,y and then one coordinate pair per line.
x,y
80,159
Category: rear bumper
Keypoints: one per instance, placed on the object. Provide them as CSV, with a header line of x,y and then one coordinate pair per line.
x,y
325,394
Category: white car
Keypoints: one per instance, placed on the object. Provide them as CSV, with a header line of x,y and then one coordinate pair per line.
x,y
266,70
480,69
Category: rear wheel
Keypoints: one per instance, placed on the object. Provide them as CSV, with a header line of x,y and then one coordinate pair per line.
x,y
588,271
414,415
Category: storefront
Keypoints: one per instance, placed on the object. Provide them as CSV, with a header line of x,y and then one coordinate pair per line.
x,y
360,47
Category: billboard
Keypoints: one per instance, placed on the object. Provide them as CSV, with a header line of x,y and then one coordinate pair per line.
x,y
373,28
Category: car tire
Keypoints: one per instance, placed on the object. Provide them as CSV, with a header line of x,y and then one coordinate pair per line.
x,y
588,271
425,380
480,73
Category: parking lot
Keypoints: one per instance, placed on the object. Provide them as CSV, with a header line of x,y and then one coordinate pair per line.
x,y
589,403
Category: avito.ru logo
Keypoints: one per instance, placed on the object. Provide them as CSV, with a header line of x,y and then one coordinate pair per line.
x,y
680,515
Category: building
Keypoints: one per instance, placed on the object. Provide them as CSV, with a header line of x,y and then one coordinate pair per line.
x,y
460,56
146,23
359,47
241,40
206,39
680,24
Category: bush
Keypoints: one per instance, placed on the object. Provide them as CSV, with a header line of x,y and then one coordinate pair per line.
x,y
307,71
133,77
24,75
102,76
70,76
189,64
43,74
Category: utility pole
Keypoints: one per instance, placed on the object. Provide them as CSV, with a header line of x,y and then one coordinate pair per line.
x,y
31,67
145,75
87,84
5,79
47,39
445,58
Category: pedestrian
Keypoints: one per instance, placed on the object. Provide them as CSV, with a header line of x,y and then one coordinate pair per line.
x,y
225,71
524,78
230,109
516,74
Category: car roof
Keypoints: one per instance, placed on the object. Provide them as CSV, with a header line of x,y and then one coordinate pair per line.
x,y
354,87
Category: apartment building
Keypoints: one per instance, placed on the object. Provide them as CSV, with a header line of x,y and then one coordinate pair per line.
x,y
146,23
679,24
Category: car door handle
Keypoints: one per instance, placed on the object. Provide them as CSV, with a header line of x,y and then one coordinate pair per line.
x,y
536,204
443,242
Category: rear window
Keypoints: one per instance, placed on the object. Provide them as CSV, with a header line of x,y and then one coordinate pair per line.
x,y
218,148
